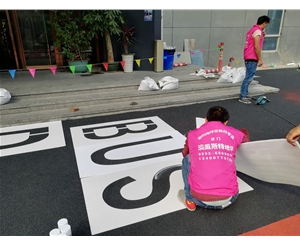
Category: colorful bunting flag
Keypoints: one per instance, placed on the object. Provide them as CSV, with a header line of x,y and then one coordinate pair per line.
x,y
72,68
138,62
105,66
122,63
89,66
53,70
12,73
32,72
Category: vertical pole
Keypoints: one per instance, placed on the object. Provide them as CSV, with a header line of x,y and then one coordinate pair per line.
x,y
158,55
221,47
46,36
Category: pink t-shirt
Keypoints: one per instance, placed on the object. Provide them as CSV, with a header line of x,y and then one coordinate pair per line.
x,y
212,149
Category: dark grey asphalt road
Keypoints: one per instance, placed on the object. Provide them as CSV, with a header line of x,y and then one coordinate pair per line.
x,y
38,188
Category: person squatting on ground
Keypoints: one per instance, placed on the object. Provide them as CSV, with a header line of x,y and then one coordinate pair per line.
x,y
293,135
252,54
208,165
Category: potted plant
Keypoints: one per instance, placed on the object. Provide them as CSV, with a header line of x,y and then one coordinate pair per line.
x,y
73,37
107,23
127,39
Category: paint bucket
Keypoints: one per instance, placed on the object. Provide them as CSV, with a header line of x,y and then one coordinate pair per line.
x,y
54,232
66,229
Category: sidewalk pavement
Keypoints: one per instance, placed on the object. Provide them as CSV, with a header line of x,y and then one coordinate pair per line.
x,y
46,82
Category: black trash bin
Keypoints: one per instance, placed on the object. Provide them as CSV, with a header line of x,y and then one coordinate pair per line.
x,y
168,58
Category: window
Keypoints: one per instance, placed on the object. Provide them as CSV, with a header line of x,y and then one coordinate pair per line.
x,y
273,30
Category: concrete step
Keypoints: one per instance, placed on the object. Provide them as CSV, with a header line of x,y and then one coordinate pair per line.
x,y
35,108
62,99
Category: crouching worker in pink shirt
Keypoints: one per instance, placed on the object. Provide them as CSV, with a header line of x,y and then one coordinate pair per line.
x,y
208,167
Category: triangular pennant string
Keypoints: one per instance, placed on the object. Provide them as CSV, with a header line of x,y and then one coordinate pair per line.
x,y
105,66
122,63
53,70
72,68
178,55
89,66
32,72
150,60
138,62
12,73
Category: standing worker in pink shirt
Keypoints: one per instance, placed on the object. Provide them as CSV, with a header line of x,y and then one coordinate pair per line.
x,y
208,166
252,54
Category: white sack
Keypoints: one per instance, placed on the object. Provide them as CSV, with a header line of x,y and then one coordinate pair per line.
x,y
148,84
4,96
168,83
227,76
238,75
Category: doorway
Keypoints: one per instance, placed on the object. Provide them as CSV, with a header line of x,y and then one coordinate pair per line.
x,y
7,60
36,35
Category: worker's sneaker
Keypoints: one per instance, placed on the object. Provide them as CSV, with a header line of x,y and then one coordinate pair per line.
x,y
190,205
244,100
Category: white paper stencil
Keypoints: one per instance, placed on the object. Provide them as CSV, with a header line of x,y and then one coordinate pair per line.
x,y
119,194
110,147
31,138
274,161
103,217
199,122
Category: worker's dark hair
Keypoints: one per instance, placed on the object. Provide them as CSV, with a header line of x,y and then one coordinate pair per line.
x,y
263,19
217,113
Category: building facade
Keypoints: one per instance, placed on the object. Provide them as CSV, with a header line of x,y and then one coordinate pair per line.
x,y
210,27
26,38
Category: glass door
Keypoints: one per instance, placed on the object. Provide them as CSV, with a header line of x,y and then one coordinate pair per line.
x,y
36,36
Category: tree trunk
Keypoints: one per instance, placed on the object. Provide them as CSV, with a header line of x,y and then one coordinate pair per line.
x,y
110,54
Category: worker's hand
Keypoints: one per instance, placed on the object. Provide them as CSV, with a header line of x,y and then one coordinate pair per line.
x,y
293,135
260,63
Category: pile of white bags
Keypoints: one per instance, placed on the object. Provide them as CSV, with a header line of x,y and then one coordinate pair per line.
x,y
232,75
166,83
4,96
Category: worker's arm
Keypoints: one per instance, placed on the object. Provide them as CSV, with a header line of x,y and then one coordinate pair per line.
x,y
257,50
